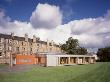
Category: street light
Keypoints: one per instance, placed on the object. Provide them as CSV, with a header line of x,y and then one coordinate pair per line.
x,y
11,54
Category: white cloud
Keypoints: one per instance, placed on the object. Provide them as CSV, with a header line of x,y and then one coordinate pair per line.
x,y
107,15
58,34
45,23
90,41
92,32
3,19
46,16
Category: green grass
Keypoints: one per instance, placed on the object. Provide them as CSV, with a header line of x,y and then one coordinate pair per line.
x,y
99,72
3,65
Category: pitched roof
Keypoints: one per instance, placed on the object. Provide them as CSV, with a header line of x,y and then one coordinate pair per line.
x,y
6,36
19,38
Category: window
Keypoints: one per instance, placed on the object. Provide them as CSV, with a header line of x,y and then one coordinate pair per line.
x,y
17,49
24,49
6,40
9,48
0,47
31,49
50,49
50,44
0,53
16,42
0,40
37,44
9,41
22,43
37,50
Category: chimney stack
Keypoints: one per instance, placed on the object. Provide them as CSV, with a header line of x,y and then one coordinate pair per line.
x,y
34,38
12,34
26,37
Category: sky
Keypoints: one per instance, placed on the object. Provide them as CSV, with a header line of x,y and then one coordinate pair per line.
x,y
57,20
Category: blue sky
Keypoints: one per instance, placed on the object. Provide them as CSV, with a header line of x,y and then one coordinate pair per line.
x,y
72,9
57,20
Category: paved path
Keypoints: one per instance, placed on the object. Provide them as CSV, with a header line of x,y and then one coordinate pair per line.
x,y
17,68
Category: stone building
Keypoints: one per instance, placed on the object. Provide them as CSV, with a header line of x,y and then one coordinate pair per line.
x,y
12,45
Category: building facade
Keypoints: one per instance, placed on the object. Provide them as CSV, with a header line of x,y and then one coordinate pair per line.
x,y
12,45
54,59
64,59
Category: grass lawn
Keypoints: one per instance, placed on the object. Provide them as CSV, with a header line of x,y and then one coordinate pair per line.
x,y
99,72
3,65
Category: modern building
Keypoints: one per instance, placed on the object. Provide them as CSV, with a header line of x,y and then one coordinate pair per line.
x,y
64,59
11,45
54,59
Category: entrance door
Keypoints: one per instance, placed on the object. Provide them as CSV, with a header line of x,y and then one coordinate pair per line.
x,y
39,60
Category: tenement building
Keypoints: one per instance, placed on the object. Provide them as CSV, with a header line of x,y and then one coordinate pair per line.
x,y
12,45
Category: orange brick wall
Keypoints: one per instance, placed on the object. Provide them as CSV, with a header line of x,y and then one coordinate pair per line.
x,y
25,59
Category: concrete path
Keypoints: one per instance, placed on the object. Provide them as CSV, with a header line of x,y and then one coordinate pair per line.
x,y
17,68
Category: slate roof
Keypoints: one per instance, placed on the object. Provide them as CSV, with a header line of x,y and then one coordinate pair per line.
x,y
19,38
6,36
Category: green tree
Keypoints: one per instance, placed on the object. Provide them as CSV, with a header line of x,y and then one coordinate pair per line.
x,y
82,50
72,47
104,54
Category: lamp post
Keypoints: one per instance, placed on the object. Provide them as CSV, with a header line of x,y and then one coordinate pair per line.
x,y
11,59
11,54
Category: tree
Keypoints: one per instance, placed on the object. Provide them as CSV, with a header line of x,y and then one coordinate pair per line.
x,y
72,47
82,50
104,54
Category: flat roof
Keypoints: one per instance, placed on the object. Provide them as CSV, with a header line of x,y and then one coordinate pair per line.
x,y
72,55
65,55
